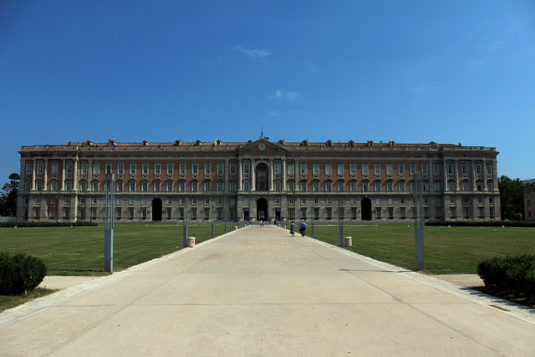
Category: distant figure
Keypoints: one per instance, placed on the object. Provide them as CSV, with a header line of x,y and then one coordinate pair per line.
x,y
274,222
292,228
302,227
261,223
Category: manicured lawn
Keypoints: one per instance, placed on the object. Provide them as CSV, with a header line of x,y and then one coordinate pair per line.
x,y
454,250
9,301
80,250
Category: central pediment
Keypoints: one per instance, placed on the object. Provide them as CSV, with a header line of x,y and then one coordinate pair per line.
x,y
262,146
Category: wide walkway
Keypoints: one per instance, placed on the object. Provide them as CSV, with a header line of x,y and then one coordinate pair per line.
x,y
258,292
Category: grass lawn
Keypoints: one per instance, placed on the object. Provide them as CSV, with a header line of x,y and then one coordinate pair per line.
x,y
80,250
455,250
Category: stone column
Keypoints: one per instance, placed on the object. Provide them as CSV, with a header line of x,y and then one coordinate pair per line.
x,y
62,174
33,174
283,175
270,188
45,175
252,175
75,174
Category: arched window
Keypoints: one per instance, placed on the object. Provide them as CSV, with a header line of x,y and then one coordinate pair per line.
x,y
207,186
389,186
303,186
328,186
377,186
401,186
340,185
132,185
119,185
94,185
365,186
157,186
465,185
315,186
353,185
83,185
194,186
144,186
169,185
291,185
479,185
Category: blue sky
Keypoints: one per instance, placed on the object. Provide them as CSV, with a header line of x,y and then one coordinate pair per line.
x,y
408,71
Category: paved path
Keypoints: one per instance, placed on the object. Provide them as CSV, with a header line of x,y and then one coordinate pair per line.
x,y
258,292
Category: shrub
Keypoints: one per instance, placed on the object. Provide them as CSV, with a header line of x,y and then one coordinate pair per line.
x,y
515,275
20,273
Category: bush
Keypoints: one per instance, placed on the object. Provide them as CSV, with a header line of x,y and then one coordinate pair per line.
x,y
45,224
20,273
513,275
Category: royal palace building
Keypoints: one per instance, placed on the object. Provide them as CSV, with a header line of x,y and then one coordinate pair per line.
x,y
255,180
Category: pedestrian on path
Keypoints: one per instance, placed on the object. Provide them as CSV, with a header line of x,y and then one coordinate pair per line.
x,y
302,227
292,228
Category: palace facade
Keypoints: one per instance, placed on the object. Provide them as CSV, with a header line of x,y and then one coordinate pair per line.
x,y
254,180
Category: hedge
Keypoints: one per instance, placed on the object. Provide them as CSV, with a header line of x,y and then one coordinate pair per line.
x,y
20,273
512,274
45,224
484,224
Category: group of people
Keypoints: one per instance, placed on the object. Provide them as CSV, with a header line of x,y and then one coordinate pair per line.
x,y
302,228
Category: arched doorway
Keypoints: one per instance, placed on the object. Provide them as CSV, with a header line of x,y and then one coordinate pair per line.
x,y
366,209
261,209
261,177
156,209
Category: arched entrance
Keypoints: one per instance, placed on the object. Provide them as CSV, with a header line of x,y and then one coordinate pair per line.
x,y
261,177
366,209
156,209
261,209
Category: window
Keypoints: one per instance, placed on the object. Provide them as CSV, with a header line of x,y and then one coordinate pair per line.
x,y
207,169
479,185
170,168
353,169
451,185
181,186
232,168
83,168
94,186
389,186
277,168
401,169
290,169
232,186
291,186
29,167
340,169
194,186
377,186
39,185
436,186
378,212
246,168
303,186
157,169
54,185
465,185
132,169
464,169
54,169
490,186
489,169
340,186
169,186
219,186
220,168
425,169
145,168
478,169
328,169
157,186
303,169
328,186
119,185
451,169
365,186
120,168
132,186
315,186
389,169
83,186
377,169
144,186
195,168
278,186
401,186
412,169
207,186
182,168
365,169
436,169
245,185
316,169
353,186
68,167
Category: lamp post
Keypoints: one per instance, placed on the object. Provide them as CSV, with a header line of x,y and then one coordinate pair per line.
x,y
109,223
418,222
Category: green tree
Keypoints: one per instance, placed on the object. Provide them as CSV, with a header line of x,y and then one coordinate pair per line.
x,y
511,198
8,197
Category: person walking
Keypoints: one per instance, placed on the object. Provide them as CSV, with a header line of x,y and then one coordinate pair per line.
x,y
303,227
292,228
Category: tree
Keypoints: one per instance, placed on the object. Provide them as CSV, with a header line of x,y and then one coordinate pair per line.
x,y
511,198
8,197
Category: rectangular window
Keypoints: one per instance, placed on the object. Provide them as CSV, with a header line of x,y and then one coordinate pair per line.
x,y
478,169
54,169
29,167
182,169
232,186
194,186
291,169
39,167
401,186
207,169
145,168
340,169
232,168
436,169
412,169
277,168
303,169
353,186
401,169
170,168
316,186
389,186
132,186
157,169
120,168
316,169
246,168
169,186
220,168
220,185
83,168
450,169
195,168
365,169
377,169
328,186
96,168
464,169
303,186
133,169
246,185
489,169
68,168
389,169
328,169
353,169
377,185
207,186
365,186
425,169
108,168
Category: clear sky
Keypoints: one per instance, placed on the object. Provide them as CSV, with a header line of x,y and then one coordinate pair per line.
x,y
408,71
